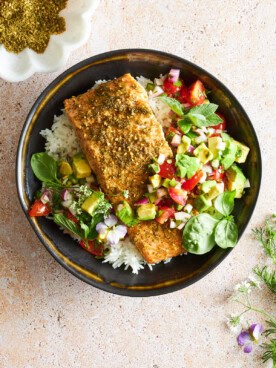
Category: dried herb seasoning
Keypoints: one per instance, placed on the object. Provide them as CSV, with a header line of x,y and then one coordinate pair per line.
x,y
30,23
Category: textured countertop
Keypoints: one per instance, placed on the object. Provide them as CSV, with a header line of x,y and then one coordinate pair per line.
x,y
49,318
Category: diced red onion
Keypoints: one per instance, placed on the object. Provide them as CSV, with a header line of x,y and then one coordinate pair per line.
x,y
143,200
176,140
67,203
46,196
191,149
173,75
158,201
161,192
161,159
66,195
157,91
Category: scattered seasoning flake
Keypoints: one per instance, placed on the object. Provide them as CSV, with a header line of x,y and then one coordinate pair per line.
x,y
30,23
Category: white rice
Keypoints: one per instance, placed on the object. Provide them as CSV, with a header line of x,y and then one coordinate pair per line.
x,y
61,142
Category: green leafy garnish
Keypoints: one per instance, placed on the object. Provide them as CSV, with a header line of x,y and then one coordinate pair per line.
x,y
70,225
173,104
198,234
186,165
45,169
226,233
266,235
224,203
203,115
185,126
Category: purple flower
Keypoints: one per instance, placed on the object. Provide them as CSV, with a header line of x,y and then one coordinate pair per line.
x,y
247,337
108,230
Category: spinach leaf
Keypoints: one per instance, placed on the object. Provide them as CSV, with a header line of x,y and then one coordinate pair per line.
x,y
203,115
70,225
198,234
45,168
224,203
173,104
226,233
186,165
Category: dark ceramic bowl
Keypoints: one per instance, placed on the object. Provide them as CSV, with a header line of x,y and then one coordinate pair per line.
x,y
181,271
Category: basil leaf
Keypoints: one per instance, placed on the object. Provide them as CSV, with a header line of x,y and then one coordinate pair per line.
x,y
187,166
44,167
224,203
184,125
198,234
173,104
226,233
70,225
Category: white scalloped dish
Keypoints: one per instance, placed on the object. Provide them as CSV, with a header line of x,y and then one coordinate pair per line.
x,y
18,67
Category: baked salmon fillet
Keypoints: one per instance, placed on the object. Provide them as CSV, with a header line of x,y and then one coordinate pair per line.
x,y
120,136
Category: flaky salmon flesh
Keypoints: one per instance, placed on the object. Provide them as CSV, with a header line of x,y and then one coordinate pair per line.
x,y
119,136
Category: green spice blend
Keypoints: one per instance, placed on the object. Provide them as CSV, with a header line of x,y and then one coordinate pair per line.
x,y
30,23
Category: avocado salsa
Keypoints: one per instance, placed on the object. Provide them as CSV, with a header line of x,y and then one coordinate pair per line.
x,y
193,191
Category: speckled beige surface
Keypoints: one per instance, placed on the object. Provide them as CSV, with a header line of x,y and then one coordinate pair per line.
x,y
48,318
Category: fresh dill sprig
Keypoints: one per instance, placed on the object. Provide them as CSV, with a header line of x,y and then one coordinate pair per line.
x,y
266,235
267,276
270,346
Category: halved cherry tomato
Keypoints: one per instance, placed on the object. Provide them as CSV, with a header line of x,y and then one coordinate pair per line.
x,y
171,87
71,217
91,247
184,95
196,93
178,195
39,209
167,170
218,174
165,202
220,126
189,184
166,214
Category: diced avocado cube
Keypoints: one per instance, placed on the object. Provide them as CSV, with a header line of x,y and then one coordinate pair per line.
x,y
152,197
207,185
166,183
173,183
201,203
214,213
126,214
186,141
242,152
146,212
214,143
81,168
206,101
215,191
65,168
203,153
91,203
235,180
155,180
179,207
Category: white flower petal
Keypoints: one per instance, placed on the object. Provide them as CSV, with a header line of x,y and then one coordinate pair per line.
x,y
111,220
101,228
112,237
121,231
